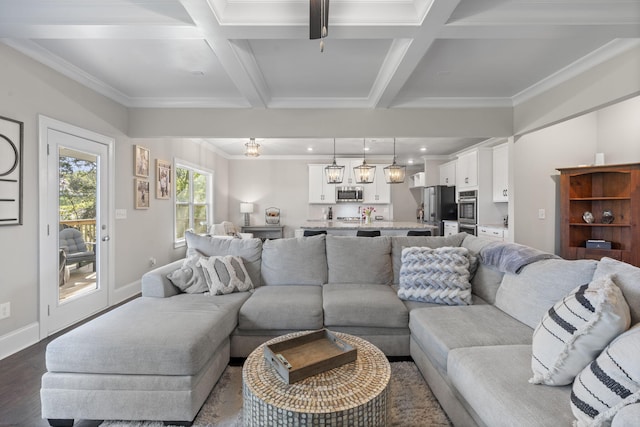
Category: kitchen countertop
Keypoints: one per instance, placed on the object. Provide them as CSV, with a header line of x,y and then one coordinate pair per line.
x,y
350,225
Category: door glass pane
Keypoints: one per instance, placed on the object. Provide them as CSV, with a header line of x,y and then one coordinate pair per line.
x,y
78,199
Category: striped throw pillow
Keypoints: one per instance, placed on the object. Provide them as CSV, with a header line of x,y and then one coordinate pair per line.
x,y
576,329
225,274
609,383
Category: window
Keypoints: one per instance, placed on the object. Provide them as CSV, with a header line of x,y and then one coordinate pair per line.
x,y
194,195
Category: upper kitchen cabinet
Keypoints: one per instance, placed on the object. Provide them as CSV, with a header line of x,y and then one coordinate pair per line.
x,y
319,191
418,180
448,173
501,173
349,179
467,170
379,192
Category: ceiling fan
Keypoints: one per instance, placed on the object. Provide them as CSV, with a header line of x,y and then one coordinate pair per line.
x,y
318,20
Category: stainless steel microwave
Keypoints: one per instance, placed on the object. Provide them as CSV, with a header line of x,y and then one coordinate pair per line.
x,y
349,194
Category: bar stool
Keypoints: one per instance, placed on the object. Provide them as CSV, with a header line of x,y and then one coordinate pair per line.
x,y
368,233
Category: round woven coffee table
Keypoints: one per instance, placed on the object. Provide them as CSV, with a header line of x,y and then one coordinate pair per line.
x,y
354,394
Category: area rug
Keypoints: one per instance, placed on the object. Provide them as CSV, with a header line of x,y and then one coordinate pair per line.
x,y
412,403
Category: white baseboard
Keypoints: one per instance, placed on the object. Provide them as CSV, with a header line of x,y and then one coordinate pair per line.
x,y
19,339
126,291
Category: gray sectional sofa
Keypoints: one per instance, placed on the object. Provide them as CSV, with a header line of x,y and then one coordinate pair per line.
x,y
158,357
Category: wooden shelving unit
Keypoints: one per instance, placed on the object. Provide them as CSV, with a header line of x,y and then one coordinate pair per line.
x,y
595,189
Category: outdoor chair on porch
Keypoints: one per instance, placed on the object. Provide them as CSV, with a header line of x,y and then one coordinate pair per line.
x,y
75,248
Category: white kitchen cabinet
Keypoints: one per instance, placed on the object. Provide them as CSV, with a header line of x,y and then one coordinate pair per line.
x,y
501,173
450,228
448,173
496,233
378,192
319,191
467,170
418,180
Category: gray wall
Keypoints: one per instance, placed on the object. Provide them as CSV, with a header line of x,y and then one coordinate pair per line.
x,y
614,130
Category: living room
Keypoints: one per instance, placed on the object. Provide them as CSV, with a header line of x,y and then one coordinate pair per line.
x,y
592,111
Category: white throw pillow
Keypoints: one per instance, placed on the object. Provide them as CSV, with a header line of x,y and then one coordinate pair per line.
x,y
576,329
438,275
190,278
609,383
225,274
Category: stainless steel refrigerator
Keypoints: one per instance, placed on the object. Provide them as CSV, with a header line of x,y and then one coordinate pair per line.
x,y
439,204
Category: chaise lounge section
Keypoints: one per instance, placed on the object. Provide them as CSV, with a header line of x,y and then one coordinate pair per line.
x,y
158,357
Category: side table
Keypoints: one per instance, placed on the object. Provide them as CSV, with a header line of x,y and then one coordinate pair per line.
x,y
264,231
354,394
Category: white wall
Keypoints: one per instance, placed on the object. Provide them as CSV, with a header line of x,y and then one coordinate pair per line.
x,y
614,130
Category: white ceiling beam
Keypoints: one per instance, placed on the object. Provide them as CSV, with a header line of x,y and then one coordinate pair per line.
x,y
386,88
205,18
113,32
537,31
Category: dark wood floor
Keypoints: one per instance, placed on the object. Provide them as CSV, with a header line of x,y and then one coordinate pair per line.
x,y
20,376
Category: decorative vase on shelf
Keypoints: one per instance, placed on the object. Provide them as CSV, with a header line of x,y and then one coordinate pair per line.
x,y
607,217
367,219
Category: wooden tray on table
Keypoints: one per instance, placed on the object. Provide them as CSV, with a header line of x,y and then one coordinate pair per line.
x,y
301,357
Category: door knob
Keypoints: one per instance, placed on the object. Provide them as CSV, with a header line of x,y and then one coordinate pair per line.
x,y
106,238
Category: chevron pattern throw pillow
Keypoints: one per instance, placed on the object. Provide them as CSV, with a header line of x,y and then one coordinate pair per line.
x,y
438,275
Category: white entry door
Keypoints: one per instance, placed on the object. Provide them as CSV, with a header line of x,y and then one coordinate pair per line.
x,y
74,240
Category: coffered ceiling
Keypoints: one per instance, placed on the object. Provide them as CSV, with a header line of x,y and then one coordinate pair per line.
x,y
379,54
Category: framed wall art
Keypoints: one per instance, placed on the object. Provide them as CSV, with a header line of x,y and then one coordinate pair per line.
x,y
141,161
163,179
11,145
142,193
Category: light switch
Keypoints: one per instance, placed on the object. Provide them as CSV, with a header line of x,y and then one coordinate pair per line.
x,y
121,214
541,214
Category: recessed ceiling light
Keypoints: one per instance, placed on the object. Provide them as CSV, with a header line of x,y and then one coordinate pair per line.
x,y
423,148
309,148
410,161
366,148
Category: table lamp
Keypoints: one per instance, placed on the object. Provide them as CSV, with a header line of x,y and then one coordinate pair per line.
x,y
246,209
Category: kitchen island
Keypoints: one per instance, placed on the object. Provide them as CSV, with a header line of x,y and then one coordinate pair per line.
x,y
349,228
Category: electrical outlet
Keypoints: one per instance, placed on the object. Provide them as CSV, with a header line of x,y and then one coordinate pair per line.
x,y
152,261
542,214
5,310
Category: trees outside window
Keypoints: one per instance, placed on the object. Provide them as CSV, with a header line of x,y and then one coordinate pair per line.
x,y
193,200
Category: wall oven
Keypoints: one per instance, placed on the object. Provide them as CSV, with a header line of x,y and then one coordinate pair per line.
x,y
468,228
349,194
468,207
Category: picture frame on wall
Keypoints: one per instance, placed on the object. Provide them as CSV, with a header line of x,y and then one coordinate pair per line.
x,y
163,179
142,162
11,146
142,194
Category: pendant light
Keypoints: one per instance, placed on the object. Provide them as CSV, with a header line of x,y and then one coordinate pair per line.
x,y
334,172
364,173
251,148
394,173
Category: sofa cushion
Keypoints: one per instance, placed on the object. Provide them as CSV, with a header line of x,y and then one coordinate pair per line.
x,y
529,294
294,261
149,336
438,275
355,304
627,277
283,307
486,279
438,330
609,383
493,382
225,274
249,249
576,329
189,277
400,242
358,260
